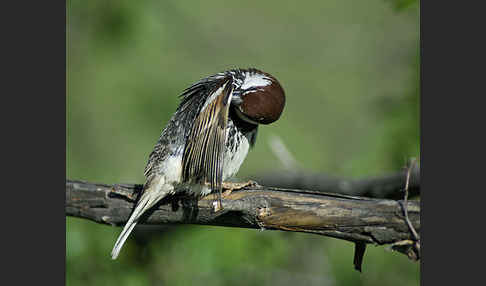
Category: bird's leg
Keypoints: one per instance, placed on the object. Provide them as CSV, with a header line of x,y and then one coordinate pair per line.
x,y
217,203
229,186
220,201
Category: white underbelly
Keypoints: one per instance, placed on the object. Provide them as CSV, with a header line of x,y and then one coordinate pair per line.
x,y
234,158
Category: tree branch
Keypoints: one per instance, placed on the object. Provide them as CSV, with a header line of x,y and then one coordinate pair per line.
x,y
295,177
356,219
384,187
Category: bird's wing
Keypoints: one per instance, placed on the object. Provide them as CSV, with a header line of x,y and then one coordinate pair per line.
x,y
202,161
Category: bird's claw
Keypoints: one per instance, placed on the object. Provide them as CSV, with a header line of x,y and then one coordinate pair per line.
x,y
229,186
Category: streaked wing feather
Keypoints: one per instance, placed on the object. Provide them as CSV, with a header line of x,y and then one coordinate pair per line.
x,y
202,160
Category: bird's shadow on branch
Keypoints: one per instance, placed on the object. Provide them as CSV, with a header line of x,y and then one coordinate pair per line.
x,y
179,201
182,200
188,204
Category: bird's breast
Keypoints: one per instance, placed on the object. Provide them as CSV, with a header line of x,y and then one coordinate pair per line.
x,y
237,146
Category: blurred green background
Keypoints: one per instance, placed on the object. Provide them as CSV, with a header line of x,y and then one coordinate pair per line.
x,y
350,70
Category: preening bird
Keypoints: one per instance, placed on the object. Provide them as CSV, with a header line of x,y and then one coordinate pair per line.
x,y
208,137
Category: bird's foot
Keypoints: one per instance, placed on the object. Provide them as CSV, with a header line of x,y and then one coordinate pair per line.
x,y
229,186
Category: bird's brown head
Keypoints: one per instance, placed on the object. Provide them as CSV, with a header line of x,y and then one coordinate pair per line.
x,y
259,98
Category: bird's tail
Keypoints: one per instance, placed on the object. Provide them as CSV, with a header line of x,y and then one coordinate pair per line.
x,y
149,198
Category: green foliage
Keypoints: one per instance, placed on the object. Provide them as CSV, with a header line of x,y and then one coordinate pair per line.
x,y
350,70
401,5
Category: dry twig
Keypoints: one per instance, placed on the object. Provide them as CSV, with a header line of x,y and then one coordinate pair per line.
x,y
404,246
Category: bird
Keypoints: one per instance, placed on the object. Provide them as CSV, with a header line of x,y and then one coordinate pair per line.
x,y
208,137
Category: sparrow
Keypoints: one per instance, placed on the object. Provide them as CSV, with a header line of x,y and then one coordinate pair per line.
x,y
208,137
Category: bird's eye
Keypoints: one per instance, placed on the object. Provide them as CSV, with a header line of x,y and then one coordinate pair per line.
x,y
236,99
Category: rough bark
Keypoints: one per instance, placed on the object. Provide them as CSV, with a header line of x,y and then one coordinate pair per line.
x,y
357,219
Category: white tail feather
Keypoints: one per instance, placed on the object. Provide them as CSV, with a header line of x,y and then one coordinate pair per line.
x,y
149,198
121,239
